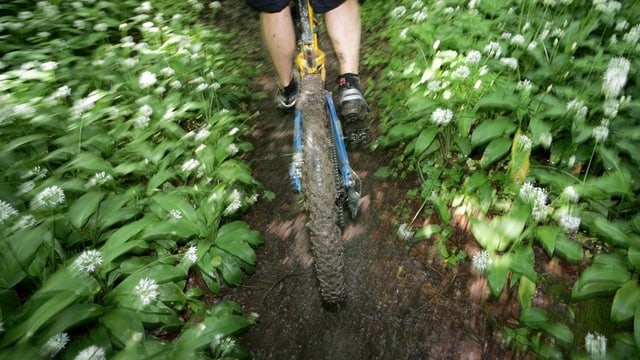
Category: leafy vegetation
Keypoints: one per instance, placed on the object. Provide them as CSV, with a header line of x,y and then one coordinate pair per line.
x,y
520,116
120,125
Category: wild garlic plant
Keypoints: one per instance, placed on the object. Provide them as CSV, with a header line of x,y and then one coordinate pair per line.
x,y
534,103
120,129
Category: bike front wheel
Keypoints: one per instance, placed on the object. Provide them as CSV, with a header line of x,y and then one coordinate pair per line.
x,y
320,192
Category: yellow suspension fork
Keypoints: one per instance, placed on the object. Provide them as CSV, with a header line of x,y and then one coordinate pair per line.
x,y
310,58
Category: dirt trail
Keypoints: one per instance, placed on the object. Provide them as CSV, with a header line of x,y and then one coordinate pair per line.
x,y
402,303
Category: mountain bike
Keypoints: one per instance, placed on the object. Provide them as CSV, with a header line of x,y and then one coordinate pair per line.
x,y
320,167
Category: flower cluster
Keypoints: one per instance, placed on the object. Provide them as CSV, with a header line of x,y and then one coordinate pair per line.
x,y
537,197
146,290
54,345
50,197
481,261
442,117
615,77
596,346
88,261
6,211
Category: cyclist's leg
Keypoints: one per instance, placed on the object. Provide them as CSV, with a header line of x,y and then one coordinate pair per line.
x,y
280,39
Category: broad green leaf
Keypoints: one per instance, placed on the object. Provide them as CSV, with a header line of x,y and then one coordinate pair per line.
x,y
500,100
614,233
17,252
625,301
427,231
424,140
199,336
492,129
240,228
636,327
606,274
113,246
114,209
534,317
497,273
25,330
88,161
69,279
526,289
169,202
634,257
558,331
496,150
77,314
522,262
158,179
84,207
400,132
16,143
233,171
500,232
546,235
567,249
122,324
229,268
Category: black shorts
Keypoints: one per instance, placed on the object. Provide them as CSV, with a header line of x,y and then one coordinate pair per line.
x,y
273,6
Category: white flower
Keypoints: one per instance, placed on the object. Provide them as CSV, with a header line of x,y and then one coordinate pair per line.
x,y
610,108
493,49
201,135
6,211
536,196
405,233
418,4
215,5
235,202
571,161
145,110
24,222
615,77
146,291
167,71
141,121
144,7
49,66
569,223
473,57
632,36
233,131
100,27
85,104
462,72
399,11
175,214
232,149
91,353
191,254
54,345
571,194
518,39
442,117
596,346
578,108
99,178
1,327
601,133
169,114
129,62
546,139
525,85
175,84
419,16
524,143
190,165
88,261
481,261
50,197
63,91
147,79
511,63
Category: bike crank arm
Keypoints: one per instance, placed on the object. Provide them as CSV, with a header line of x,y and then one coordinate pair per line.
x,y
348,175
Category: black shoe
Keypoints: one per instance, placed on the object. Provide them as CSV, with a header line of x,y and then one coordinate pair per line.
x,y
354,110
286,97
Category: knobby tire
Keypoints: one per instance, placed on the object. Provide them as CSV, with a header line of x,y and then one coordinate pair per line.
x,y
320,193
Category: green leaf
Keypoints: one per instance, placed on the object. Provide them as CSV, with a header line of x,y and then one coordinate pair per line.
x,y
158,179
526,290
496,150
523,262
84,207
500,232
546,236
533,317
492,129
400,132
88,161
18,251
497,273
122,324
634,256
625,301
606,274
233,171
425,139
568,249
636,327
609,230
113,247
560,332
427,231
199,336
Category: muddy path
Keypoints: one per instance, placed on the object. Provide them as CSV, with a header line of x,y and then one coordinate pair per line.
x,y
402,302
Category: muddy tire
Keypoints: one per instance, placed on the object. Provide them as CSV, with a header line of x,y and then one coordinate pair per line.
x,y
319,188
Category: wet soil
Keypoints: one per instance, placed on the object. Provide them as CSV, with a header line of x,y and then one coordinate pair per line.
x,y
403,302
